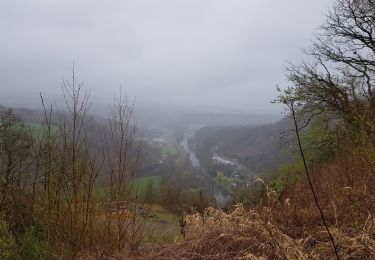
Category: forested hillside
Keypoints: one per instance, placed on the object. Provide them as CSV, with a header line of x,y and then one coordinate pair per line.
x,y
259,148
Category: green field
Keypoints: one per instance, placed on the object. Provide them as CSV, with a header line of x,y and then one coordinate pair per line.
x,y
168,150
139,186
37,130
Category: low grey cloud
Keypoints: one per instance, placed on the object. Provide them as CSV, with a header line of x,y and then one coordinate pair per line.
x,y
190,52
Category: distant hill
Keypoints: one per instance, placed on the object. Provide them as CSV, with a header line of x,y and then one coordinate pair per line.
x,y
259,148
226,119
27,115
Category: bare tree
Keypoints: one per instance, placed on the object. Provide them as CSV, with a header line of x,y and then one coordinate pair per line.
x,y
123,148
68,168
340,76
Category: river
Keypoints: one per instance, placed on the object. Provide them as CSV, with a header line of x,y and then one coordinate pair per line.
x,y
192,156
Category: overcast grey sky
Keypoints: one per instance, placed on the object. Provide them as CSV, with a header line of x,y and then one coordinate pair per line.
x,y
228,53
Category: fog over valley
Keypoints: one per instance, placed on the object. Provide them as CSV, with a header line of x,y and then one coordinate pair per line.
x,y
187,129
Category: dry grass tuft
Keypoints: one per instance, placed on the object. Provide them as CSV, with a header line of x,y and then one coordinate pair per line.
x,y
361,246
247,234
241,234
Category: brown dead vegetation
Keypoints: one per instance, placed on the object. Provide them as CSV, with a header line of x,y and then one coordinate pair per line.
x,y
288,226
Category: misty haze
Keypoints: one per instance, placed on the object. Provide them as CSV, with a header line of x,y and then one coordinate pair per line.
x,y
186,129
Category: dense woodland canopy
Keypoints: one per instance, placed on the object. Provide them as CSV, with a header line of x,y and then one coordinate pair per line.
x,y
68,188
